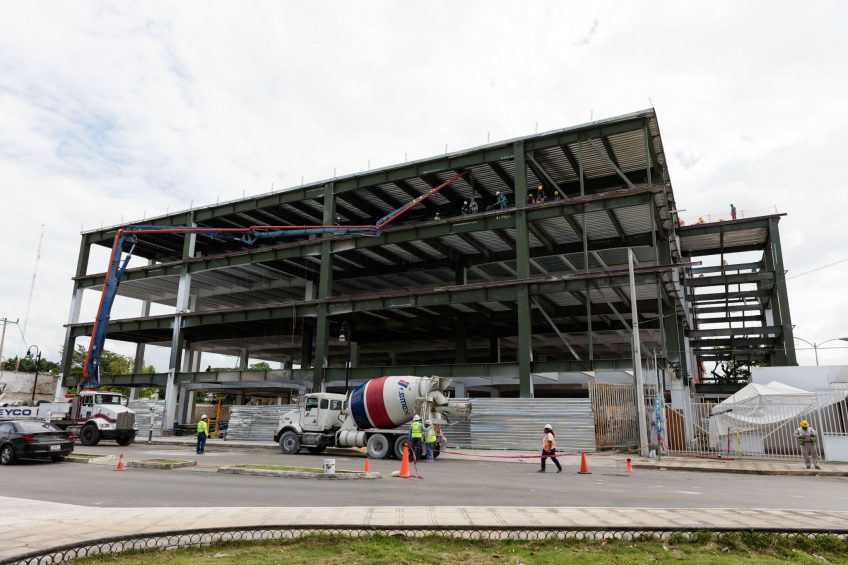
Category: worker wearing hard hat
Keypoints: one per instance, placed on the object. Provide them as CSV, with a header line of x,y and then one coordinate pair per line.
x,y
808,438
416,436
502,202
202,434
549,448
429,439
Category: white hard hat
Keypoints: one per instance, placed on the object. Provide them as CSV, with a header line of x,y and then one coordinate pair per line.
x,y
548,427
416,418
203,417
427,422
497,193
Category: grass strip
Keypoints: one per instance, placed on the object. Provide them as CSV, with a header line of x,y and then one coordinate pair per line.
x,y
170,461
284,468
702,549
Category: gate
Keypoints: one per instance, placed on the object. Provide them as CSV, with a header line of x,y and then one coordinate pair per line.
x,y
615,414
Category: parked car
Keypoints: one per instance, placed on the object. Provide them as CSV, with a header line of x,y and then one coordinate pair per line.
x,y
32,439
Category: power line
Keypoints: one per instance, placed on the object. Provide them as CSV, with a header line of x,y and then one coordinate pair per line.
x,y
816,269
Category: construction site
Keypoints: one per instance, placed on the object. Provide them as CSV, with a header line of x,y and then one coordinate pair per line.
x,y
521,270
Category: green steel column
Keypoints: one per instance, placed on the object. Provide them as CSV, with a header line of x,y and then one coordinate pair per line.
x,y
522,257
588,290
775,251
325,290
73,317
460,337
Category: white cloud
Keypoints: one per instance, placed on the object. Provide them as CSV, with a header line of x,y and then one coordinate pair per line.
x,y
126,110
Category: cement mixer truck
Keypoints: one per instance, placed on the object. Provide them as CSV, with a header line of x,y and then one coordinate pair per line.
x,y
369,417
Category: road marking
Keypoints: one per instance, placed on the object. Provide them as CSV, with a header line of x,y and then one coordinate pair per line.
x,y
686,492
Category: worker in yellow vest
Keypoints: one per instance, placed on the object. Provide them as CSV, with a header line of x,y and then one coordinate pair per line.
x,y
808,438
416,437
549,448
430,440
202,434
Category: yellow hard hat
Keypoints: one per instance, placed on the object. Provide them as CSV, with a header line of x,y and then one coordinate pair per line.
x,y
540,187
804,423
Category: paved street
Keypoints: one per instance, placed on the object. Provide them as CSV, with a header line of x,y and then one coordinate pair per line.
x,y
447,482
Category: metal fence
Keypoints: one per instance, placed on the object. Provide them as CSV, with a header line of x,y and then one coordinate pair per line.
x,y
615,415
753,429
257,423
147,413
208,537
516,423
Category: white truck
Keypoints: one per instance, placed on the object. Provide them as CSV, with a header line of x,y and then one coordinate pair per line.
x,y
91,415
370,417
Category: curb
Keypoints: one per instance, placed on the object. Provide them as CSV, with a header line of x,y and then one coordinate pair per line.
x,y
191,443
337,476
770,472
157,465
83,460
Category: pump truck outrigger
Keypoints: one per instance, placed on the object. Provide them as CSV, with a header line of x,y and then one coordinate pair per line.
x,y
128,237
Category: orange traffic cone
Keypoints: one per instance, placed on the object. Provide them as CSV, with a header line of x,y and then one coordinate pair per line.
x,y
121,466
584,466
629,466
404,463
367,465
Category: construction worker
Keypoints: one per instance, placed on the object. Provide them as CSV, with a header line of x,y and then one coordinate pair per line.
x,y
465,209
202,434
502,202
531,198
416,436
429,439
473,208
549,448
557,196
732,212
541,196
437,217
808,438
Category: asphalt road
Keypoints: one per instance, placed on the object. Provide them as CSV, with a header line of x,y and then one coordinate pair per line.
x,y
445,483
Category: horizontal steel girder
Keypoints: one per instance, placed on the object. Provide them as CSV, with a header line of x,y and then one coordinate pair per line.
x,y
458,294
494,220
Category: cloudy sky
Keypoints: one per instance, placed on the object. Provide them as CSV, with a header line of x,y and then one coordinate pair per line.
x,y
112,111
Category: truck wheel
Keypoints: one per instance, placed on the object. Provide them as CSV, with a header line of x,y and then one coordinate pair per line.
x,y
7,455
378,446
400,443
289,443
317,449
125,440
89,435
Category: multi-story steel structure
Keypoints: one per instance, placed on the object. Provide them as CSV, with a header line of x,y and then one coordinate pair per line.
x,y
532,298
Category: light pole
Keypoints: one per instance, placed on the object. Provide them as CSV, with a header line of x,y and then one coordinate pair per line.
x,y
345,337
816,346
37,361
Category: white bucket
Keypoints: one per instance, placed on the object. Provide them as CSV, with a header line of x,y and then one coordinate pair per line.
x,y
329,466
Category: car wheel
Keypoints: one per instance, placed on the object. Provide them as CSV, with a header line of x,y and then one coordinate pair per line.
x,y
7,455
378,446
289,443
89,435
400,443
317,449
57,458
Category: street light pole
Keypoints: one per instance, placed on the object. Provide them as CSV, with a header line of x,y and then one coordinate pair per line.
x,y
816,346
37,361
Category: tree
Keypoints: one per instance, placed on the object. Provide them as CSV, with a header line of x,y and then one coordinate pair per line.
x,y
261,366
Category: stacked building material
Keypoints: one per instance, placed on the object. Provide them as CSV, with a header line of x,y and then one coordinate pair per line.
x,y
255,422
144,416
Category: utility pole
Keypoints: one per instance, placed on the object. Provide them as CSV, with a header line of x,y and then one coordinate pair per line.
x,y
637,362
3,340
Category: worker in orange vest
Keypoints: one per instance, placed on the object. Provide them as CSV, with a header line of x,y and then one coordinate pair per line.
x,y
549,448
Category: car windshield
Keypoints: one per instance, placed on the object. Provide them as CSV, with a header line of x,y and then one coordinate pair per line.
x,y
34,427
107,399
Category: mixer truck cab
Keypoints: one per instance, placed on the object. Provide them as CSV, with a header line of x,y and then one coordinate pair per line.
x,y
313,424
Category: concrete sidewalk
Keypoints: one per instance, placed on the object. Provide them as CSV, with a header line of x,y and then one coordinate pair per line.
x,y
600,459
33,525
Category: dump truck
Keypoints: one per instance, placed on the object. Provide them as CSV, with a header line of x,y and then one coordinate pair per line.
x,y
90,415
371,416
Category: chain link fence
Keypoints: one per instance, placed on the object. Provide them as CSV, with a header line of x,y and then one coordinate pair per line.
x,y
207,537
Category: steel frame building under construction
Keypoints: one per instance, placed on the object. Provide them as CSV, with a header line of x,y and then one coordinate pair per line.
x,y
533,299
